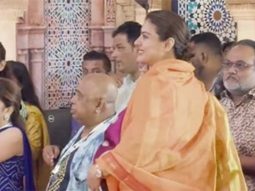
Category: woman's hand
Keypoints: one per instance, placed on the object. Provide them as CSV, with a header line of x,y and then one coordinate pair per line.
x,y
94,178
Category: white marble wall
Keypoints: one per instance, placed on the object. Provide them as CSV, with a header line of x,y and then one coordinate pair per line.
x,y
10,11
244,15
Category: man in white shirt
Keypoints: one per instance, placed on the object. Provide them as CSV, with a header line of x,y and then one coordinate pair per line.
x,y
124,54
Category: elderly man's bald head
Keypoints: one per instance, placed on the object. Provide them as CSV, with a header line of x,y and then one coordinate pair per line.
x,y
95,99
100,85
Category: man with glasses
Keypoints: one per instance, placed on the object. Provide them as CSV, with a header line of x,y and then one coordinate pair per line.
x,y
239,101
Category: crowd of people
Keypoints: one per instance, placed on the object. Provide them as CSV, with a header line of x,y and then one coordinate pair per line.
x,y
185,122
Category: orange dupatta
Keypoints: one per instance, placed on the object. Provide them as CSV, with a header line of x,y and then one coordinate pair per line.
x,y
175,137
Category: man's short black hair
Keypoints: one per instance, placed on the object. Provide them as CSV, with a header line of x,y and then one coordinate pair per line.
x,y
2,52
210,40
95,55
131,29
227,45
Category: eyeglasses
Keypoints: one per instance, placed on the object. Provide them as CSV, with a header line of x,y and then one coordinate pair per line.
x,y
239,65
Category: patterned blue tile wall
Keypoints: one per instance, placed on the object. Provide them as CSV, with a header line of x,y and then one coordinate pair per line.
x,y
207,15
66,41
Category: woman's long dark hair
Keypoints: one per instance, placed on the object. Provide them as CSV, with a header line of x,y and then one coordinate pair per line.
x,y
11,97
18,71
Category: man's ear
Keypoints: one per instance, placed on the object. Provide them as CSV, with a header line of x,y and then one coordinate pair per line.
x,y
100,105
204,57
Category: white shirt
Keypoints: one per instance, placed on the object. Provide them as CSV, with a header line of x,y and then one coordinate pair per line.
x,y
124,93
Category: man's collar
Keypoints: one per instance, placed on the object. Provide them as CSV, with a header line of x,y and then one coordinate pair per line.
x,y
252,92
226,94
128,79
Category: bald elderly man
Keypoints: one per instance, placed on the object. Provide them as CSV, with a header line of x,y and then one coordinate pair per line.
x,y
94,107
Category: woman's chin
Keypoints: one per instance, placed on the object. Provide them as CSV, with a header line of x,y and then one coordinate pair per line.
x,y
140,59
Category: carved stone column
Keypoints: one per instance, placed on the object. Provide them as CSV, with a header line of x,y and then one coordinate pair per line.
x,y
125,11
103,22
36,69
109,24
23,56
110,13
96,25
30,39
35,13
30,44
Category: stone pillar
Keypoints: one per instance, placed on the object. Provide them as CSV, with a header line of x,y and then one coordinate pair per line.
x,y
110,13
36,68
96,25
35,13
125,11
109,24
30,44
23,56
103,22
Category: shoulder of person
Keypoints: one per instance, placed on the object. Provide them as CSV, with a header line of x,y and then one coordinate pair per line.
x,y
13,133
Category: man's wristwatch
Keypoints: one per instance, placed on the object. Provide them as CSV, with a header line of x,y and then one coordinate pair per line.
x,y
99,173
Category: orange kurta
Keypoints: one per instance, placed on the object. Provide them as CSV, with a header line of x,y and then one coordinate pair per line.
x,y
175,137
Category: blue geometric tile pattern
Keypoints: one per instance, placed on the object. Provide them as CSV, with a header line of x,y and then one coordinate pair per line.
x,y
66,41
207,15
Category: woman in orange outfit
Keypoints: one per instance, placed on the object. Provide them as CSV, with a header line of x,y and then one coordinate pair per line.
x,y
175,135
